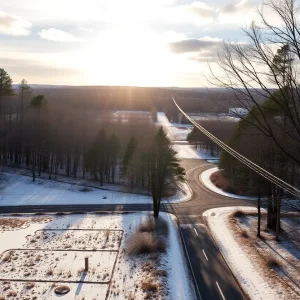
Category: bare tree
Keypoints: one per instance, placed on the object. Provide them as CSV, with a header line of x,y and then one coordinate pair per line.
x,y
255,70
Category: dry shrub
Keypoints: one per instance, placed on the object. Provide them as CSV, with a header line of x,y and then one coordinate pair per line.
x,y
220,181
2,297
156,225
12,222
244,233
50,272
29,285
145,242
12,294
149,286
41,219
272,263
238,213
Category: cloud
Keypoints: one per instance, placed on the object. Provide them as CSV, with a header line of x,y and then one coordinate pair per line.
x,y
197,13
13,25
237,7
237,12
194,45
56,35
201,9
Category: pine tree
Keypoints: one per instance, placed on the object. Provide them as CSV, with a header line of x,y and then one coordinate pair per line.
x,y
128,155
5,87
164,168
114,152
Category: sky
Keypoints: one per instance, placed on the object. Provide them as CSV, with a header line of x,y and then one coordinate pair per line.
x,y
117,42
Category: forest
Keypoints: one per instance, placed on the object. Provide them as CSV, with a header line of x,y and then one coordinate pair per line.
x,y
57,135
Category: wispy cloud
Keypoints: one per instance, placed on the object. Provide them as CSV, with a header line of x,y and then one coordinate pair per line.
x,y
194,45
197,13
13,25
57,35
237,12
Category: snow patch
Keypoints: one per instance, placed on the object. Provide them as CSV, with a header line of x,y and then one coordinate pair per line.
x,y
205,179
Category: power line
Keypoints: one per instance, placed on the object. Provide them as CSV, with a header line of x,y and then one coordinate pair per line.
x,y
256,168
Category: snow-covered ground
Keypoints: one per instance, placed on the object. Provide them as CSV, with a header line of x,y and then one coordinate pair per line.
x,y
205,179
187,151
20,190
175,132
215,117
178,134
248,256
49,251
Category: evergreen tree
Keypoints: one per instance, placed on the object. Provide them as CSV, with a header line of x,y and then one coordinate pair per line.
x,y
101,154
5,87
114,152
128,155
164,168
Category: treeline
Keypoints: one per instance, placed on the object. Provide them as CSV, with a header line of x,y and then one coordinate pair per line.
x,y
222,129
56,139
277,153
48,137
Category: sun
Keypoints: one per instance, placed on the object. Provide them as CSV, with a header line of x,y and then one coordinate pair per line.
x,y
127,56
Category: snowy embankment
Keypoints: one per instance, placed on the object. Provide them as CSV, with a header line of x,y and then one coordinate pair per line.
x,y
178,134
37,250
20,190
205,179
175,132
250,258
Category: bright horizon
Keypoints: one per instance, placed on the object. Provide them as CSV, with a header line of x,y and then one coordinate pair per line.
x,y
137,43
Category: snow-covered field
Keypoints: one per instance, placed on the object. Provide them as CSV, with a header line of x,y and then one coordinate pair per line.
x,y
249,258
20,190
205,179
41,253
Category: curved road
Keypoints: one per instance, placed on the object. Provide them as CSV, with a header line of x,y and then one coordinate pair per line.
x,y
212,277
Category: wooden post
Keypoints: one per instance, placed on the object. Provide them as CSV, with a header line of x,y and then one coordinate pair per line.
x,y
86,264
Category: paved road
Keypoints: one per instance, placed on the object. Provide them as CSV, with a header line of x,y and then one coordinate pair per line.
x,y
213,278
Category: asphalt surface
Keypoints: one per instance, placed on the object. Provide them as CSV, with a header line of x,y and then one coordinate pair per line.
x,y
212,277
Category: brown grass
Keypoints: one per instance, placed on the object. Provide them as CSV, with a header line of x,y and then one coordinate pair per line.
x,y
158,226
145,242
238,213
50,272
12,222
12,294
149,286
244,233
272,263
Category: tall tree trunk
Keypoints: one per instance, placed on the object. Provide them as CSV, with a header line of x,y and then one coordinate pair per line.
x,y
33,165
259,214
